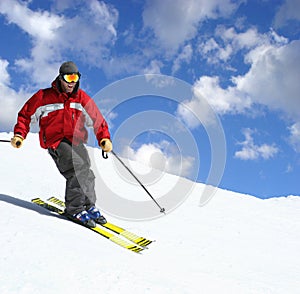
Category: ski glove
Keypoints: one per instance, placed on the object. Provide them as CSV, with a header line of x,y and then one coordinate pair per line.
x,y
17,141
106,145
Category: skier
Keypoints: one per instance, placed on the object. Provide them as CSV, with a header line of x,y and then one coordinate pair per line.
x,y
63,111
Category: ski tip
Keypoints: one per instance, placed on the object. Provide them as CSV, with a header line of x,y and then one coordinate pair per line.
x,y
137,250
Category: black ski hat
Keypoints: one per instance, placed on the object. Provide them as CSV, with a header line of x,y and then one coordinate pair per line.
x,y
68,67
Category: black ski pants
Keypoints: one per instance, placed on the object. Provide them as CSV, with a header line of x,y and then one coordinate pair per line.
x,y
74,164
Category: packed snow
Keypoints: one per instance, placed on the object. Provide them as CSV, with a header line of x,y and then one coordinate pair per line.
x,y
234,244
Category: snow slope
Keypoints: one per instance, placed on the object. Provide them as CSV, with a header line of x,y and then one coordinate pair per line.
x,y
234,244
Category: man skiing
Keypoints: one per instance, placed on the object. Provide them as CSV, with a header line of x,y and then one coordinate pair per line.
x,y
63,111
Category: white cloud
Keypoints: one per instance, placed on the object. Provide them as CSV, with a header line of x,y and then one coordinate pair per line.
x,y
176,21
223,101
187,111
4,76
11,100
243,93
153,75
62,5
273,79
184,56
209,46
294,138
56,37
53,38
154,67
228,41
161,156
248,39
251,151
42,28
40,24
289,169
104,15
210,99
290,10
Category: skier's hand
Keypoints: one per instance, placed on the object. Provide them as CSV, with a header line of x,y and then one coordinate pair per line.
x,y
17,141
106,145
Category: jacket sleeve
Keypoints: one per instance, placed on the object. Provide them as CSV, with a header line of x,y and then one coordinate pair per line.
x,y
99,123
25,115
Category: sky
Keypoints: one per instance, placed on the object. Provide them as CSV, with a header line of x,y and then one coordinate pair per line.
x,y
223,108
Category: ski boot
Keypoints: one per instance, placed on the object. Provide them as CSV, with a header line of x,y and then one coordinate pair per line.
x,y
84,219
95,214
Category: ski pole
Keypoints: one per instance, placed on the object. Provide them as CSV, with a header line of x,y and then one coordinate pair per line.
x,y
162,210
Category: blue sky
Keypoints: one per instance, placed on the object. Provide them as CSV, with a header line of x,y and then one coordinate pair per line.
x,y
241,57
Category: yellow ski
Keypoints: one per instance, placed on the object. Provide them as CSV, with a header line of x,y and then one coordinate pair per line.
x,y
141,241
114,238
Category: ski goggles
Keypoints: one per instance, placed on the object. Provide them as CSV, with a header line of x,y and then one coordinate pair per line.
x,y
69,78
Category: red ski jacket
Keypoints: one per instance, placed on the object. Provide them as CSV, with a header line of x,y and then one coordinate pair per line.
x,y
61,116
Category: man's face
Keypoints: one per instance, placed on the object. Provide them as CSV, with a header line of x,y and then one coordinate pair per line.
x,y
67,87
